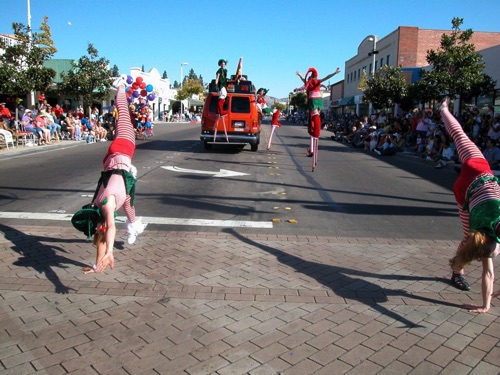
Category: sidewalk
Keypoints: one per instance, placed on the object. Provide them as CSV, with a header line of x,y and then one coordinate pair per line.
x,y
231,303
25,150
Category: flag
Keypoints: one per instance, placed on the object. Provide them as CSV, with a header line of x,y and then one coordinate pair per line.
x,y
239,69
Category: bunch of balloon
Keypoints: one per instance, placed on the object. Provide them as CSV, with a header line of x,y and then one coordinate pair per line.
x,y
139,94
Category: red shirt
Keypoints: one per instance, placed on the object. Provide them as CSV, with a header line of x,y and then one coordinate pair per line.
x,y
313,87
5,113
58,111
276,116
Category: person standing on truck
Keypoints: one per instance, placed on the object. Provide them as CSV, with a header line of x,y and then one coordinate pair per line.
x,y
221,76
312,85
221,83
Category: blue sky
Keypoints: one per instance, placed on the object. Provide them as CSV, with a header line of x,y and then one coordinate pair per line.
x,y
275,37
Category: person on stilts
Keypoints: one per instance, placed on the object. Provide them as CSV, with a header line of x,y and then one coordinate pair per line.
x,y
274,124
312,85
221,82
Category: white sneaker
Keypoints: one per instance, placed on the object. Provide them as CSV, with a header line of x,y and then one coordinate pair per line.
x,y
134,229
119,81
133,171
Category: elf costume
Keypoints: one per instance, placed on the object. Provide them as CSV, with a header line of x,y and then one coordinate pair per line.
x,y
312,85
274,124
261,102
221,81
315,102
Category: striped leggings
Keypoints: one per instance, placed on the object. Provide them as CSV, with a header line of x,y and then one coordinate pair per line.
x,y
466,150
124,141
124,129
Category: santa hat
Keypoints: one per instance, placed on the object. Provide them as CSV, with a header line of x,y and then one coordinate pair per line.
x,y
313,72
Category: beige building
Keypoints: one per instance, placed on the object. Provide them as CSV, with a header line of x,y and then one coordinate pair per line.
x,y
407,47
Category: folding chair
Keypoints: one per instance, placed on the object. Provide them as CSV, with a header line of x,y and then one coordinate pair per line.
x,y
8,138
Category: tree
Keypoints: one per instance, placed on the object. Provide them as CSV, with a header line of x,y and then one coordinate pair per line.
x,y
363,81
189,88
279,106
115,72
191,75
21,66
457,70
421,92
299,100
89,78
387,87
164,76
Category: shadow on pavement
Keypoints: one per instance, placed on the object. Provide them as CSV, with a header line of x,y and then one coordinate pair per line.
x,y
41,257
338,279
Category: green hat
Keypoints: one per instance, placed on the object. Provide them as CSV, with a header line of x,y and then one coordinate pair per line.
x,y
86,219
222,61
263,89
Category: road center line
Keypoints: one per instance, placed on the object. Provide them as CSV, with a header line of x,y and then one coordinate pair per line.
x,y
146,219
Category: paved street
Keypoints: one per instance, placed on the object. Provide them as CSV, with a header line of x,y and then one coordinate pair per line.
x,y
232,303
241,301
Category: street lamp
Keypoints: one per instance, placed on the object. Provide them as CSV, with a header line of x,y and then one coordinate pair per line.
x,y
373,53
30,36
182,64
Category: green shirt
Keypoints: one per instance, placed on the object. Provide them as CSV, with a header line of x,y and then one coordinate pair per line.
x,y
222,73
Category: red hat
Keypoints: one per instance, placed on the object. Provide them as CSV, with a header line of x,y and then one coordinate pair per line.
x,y
314,73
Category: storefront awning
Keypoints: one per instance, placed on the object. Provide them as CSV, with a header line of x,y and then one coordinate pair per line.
x,y
195,102
346,101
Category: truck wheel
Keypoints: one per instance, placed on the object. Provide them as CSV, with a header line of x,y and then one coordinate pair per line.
x,y
254,147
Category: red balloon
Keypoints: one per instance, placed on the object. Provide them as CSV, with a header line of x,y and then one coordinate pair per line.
x,y
143,93
139,79
135,85
142,85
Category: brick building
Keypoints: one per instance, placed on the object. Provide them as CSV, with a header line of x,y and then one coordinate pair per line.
x,y
407,47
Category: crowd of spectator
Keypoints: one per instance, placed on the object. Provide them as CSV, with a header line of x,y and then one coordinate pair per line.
x,y
417,132
48,123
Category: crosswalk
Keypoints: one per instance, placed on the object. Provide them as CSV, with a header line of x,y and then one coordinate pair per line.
x,y
55,216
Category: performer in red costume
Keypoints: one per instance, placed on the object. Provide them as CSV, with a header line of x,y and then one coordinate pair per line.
x,y
478,198
260,99
115,190
312,85
274,124
221,82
